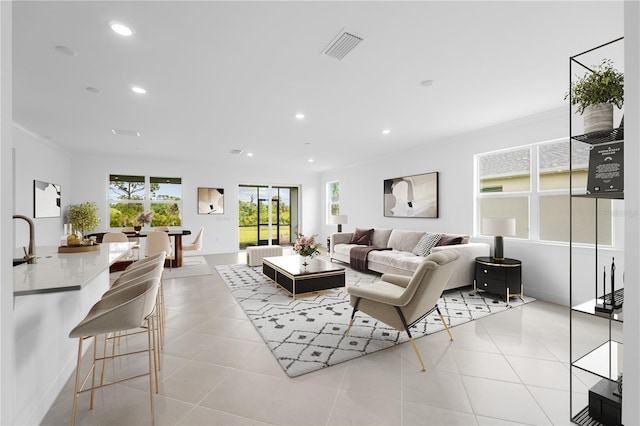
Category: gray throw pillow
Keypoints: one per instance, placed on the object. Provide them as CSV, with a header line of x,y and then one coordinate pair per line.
x,y
426,243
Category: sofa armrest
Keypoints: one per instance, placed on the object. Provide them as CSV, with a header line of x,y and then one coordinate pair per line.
x,y
339,238
464,272
399,280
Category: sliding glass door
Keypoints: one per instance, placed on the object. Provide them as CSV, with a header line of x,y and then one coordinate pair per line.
x,y
267,215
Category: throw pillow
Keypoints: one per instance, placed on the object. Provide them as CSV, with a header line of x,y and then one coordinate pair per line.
x,y
426,243
362,237
449,240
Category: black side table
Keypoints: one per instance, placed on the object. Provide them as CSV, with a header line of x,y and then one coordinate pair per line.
x,y
503,277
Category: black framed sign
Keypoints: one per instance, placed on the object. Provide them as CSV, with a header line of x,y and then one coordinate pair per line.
x,y
606,169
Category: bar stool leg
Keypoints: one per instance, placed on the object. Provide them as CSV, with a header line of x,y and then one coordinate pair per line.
x,y
151,366
77,386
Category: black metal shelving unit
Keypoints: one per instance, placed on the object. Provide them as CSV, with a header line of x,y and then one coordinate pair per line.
x,y
603,361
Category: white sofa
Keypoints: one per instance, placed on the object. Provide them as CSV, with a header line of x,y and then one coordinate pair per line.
x,y
400,259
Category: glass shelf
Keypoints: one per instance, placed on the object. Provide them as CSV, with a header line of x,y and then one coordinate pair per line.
x,y
589,307
605,361
607,195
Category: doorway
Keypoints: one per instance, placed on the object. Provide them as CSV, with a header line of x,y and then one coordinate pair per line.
x,y
267,215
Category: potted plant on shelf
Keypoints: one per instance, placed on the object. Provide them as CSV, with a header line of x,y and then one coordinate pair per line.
x,y
595,94
82,217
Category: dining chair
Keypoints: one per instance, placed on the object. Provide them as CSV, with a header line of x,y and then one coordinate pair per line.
x,y
400,301
196,244
118,237
134,240
158,241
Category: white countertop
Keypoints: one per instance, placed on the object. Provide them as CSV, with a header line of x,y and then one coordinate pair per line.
x,y
55,272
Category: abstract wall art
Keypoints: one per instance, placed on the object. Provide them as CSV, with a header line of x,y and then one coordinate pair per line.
x,y
210,201
46,199
412,196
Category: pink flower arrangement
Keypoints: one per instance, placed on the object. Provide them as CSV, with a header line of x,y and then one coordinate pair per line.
x,y
306,246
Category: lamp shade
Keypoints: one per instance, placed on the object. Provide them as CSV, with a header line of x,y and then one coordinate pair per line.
x,y
339,219
499,226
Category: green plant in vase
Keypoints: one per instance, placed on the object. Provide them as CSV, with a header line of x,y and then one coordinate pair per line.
x,y
595,93
82,217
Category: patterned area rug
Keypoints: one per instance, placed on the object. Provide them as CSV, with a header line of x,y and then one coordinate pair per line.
x,y
308,333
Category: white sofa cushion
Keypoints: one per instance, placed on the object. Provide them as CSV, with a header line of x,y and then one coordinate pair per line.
x,y
380,237
404,240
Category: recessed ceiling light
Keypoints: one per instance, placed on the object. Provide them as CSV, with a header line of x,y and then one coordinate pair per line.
x,y
299,116
120,28
310,160
426,83
93,90
65,50
125,132
386,131
249,154
138,90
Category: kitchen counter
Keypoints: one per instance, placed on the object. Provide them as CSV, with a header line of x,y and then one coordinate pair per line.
x,y
55,272
50,298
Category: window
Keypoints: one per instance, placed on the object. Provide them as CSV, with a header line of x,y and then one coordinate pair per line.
x,y
131,195
333,199
541,205
505,187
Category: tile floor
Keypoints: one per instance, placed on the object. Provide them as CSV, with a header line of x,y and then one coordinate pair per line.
x,y
508,368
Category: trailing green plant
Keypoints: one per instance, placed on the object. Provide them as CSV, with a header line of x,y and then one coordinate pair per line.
x,y
604,85
83,217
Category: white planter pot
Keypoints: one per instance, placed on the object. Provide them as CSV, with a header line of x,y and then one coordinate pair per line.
x,y
598,118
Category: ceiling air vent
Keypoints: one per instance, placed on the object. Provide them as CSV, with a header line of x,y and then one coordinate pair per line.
x,y
344,43
236,151
125,132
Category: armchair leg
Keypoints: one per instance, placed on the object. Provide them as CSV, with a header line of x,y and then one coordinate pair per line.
x,y
415,349
413,343
353,314
446,327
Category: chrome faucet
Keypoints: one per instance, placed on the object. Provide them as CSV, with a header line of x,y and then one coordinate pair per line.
x,y
30,256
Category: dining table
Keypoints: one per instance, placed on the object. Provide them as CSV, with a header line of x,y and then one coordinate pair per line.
x,y
176,233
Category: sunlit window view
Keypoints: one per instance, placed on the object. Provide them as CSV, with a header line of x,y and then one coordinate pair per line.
x,y
532,184
333,196
131,195
267,214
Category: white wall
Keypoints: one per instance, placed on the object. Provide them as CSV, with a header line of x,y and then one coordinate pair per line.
x,y
545,266
6,207
91,175
630,406
38,159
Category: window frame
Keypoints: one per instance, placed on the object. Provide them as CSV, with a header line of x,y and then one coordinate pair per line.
x,y
535,194
146,199
330,201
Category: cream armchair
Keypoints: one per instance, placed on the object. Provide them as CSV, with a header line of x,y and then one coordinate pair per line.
x,y
401,301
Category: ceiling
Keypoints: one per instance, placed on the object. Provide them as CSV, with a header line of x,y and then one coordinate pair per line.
x,y
222,76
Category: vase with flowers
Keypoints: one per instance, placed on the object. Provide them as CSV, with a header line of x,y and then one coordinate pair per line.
x,y
144,218
306,247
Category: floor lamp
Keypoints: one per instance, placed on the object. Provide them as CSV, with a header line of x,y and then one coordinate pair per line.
x,y
339,220
498,227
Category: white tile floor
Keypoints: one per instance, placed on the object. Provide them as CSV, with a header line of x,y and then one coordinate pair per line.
x,y
508,368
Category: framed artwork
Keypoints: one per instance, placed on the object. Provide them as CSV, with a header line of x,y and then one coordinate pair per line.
x,y
412,196
46,199
210,201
